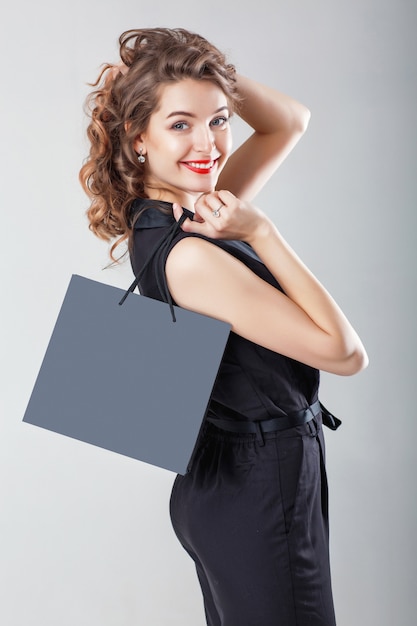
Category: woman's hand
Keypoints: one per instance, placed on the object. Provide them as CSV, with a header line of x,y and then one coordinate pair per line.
x,y
220,215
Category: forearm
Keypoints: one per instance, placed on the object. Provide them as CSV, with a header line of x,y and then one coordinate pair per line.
x,y
278,123
268,111
303,288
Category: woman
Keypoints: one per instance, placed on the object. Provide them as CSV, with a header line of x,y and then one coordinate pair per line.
x,y
252,509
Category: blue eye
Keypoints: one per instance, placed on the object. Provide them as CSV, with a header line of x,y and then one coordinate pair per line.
x,y
180,126
219,121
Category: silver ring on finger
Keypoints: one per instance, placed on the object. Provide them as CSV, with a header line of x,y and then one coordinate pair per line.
x,y
216,212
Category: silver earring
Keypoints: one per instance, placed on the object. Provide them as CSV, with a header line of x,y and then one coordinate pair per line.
x,y
141,157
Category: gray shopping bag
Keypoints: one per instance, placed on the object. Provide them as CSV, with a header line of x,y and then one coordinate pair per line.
x,y
126,378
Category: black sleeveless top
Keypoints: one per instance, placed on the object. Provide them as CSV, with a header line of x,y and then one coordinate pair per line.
x,y
253,383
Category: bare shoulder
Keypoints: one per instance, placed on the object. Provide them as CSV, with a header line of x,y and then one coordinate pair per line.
x,y
199,271
207,279
194,254
187,252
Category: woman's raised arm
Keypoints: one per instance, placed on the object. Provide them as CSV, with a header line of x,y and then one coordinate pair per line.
x,y
278,122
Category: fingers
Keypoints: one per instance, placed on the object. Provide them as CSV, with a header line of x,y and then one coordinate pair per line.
x,y
213,212
188,225
226,197
214,201
211,209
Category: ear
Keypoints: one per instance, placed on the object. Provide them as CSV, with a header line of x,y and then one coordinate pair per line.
x,y
139,143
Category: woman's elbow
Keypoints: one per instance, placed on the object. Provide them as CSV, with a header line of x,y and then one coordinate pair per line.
x,y
355,362
301,119
346,356
305,119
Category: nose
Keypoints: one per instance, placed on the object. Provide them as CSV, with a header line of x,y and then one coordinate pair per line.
x,y
204,140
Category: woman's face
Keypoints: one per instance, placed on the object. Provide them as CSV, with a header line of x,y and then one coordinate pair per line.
x,y
187,142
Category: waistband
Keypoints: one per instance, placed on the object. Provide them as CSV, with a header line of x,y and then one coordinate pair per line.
x,y
298,418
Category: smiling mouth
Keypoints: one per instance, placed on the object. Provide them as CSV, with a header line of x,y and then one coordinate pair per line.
x,y
200,167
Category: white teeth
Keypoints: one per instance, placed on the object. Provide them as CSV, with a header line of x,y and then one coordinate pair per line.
x,y
201,166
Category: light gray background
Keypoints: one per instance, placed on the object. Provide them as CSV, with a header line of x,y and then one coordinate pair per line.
x,y
84,533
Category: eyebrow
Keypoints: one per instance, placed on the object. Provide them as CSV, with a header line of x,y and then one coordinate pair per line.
x,y
185,113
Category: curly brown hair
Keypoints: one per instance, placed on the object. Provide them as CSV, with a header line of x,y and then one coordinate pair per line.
x,y
120,107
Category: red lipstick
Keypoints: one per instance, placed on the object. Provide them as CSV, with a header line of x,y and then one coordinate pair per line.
x,y
200,167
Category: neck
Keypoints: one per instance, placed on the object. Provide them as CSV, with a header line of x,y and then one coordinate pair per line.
x,y
185,199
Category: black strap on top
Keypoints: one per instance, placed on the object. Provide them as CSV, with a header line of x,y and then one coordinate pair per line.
x,y
159,249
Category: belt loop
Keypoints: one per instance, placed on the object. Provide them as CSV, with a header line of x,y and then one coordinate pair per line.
x,y
312,424
259,434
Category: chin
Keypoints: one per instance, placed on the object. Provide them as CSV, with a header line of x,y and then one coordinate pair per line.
x,y
206,185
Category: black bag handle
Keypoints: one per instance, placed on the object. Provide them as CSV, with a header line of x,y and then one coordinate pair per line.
x,y
160,248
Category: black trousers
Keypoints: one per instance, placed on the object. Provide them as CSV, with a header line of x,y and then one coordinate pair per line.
x,y
254,518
